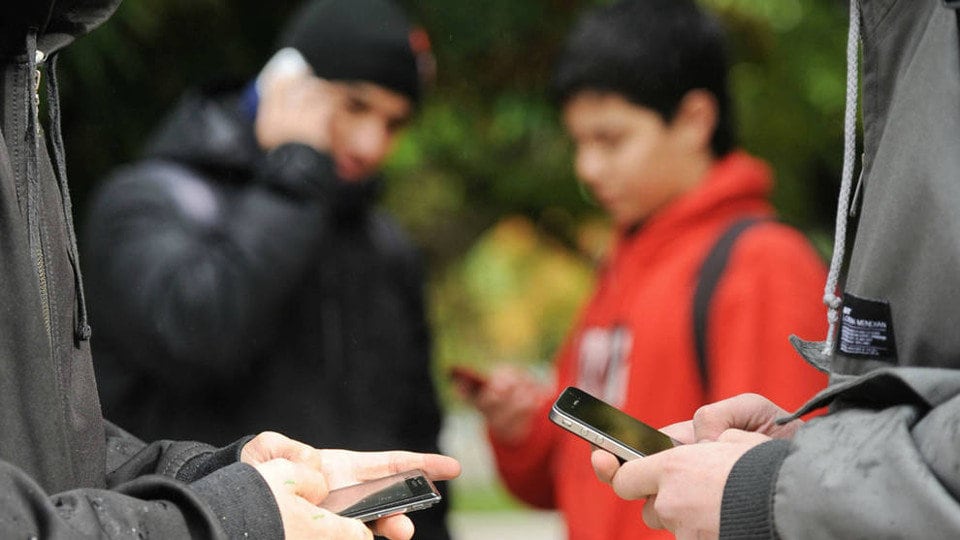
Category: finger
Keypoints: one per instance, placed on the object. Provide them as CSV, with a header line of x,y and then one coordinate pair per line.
x,y
605,465
650,516
640,478
740,436
258,449
295,478
434,466
275,83
681,431
749,412
370,465
271,445
398,527
330,525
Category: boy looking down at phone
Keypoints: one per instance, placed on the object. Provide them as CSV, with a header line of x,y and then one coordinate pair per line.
x,y
241,275
643,89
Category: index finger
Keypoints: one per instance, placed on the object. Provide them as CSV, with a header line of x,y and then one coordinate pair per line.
x,y
748,412
681,431
350,467
396,527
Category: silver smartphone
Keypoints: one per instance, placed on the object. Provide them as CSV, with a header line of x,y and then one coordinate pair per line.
x,y
374,499
606,426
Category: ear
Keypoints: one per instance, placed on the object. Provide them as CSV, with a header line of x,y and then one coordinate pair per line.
x,y
696,119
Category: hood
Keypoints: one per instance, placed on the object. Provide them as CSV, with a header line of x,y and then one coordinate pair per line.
x,y
207,130
56,23
737,182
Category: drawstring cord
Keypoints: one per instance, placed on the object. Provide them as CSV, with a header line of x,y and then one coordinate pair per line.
x,y
83,330
830,298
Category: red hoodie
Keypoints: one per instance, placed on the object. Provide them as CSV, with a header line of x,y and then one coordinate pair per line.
x,y
633,345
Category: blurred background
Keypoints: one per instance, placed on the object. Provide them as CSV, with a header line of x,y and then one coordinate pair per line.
x,y
483,178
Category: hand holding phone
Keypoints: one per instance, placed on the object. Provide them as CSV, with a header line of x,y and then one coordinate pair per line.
x,y
468,381
606,426
374,499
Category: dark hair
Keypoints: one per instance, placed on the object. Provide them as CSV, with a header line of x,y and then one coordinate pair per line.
x,y
652,52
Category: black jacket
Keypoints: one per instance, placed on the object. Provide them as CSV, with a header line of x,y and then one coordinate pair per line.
x,y
234,291
64,472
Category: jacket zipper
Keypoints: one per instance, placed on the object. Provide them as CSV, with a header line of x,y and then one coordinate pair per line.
x,y
38,247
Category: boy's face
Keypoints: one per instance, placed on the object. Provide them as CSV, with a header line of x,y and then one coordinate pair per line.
x,y
626,154
364,124
355,122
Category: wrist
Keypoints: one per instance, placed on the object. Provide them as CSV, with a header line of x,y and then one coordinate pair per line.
x,y
746,510
299,170
255,514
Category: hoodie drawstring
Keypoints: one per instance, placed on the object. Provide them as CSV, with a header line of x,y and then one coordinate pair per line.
x,y
830,298
83,331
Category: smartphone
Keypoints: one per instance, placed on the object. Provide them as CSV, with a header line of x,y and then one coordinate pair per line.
x,y
606,426
470,381
286,62
374,499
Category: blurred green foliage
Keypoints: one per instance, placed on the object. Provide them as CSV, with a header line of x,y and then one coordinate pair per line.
x,y
487,145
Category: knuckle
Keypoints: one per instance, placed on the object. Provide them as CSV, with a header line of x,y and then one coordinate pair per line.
x,y
705,415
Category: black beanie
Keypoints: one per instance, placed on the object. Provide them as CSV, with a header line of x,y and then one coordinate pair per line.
x,y
356,40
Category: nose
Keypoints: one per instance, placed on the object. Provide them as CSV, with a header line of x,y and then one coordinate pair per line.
x,y
588,165
370,143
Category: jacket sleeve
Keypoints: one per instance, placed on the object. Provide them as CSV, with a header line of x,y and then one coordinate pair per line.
x,y
770,290
526,467
195,274
174,490
423,414
885,465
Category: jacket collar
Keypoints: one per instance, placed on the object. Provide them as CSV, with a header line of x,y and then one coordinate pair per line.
x,y
56,23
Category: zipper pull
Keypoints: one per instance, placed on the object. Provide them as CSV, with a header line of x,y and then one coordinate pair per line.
x,y
40,57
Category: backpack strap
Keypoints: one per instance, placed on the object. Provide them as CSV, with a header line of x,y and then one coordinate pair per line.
x,y
709,276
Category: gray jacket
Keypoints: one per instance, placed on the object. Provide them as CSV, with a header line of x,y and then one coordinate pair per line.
x,y
885,463
64,472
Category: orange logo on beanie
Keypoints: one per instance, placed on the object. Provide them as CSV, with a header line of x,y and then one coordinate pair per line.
x,y
423,53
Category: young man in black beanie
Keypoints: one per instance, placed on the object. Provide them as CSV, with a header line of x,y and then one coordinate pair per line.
x,y
240,276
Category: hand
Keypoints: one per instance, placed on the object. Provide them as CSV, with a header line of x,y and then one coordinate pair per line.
x,y
340,468
746,412
683,485
295,108
509,401
297,490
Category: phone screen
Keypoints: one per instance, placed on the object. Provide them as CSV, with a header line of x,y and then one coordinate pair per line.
x,y
377,498
611,422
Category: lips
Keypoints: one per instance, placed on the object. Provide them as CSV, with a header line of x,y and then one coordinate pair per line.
x,y
350,169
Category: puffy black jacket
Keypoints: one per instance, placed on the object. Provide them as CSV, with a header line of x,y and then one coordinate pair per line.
x,y
64,472
233,291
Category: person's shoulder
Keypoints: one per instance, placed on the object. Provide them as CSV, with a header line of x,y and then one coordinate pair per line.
x,y
153,182
770,243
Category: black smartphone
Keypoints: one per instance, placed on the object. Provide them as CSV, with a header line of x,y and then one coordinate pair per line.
x,y
374,499
606,426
